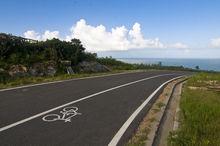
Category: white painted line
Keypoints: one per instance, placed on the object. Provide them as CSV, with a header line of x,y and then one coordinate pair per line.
x,y
75,101
124,127
67,80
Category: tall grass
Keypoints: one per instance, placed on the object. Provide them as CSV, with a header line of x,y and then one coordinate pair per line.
x,y
200,114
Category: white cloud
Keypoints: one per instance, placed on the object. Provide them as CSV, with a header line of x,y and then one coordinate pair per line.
x,y
178,46
31,34
50,35
215,43
98,38
138,41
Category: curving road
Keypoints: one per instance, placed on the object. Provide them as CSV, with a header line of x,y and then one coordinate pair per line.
x,y
81,112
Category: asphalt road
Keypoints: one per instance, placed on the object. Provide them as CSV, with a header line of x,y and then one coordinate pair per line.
x,y
85,112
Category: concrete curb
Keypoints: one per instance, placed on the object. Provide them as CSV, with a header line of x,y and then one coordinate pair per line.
x,y
152,138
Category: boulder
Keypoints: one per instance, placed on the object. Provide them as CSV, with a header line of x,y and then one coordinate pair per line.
x,y
36,69
92,67
17,70
43,69
50,71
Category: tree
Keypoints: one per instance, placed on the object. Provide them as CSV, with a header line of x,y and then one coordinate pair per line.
x,y
18,50
159,63
197,67
79,50
50,54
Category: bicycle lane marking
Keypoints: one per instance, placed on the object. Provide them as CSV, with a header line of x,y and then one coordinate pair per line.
x,y
78,100
67,114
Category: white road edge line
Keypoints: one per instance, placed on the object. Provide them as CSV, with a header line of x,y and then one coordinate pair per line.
x,y
75,101
125,126
67,80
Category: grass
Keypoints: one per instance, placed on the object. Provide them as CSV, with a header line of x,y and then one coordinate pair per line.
x,y
160,104
204,79
140,138
200,113
35,80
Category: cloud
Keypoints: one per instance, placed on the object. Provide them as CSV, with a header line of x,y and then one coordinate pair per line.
x,y
138,41
98,38
50,35
178,46
215,43
31,34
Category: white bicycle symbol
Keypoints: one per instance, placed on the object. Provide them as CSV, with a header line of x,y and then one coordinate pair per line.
x,y
67,114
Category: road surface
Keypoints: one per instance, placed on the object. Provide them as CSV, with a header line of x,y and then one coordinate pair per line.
x,y
82,112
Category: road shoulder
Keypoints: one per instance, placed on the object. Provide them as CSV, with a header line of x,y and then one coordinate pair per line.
x,y
36,81
155,123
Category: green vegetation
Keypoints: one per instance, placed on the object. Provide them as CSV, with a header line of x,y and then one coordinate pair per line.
x,y
204,80
18,50
200,112
140,138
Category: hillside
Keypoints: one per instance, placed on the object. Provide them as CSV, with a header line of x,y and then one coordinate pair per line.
x,y
22,58
18,50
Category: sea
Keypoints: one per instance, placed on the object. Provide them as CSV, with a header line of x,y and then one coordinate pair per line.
x,y
204,64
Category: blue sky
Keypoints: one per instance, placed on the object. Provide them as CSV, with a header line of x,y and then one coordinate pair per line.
x,y
193,24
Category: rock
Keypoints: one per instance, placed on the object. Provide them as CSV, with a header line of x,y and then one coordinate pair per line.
x,y
43,69
36,69
18,70
92,67
50,71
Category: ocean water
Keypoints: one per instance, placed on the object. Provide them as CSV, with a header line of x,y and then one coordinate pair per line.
x,y
204,64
